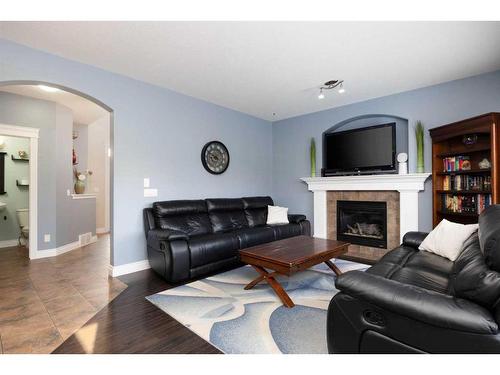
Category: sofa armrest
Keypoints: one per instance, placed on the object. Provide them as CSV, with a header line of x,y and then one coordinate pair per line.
x,y
414,239
157,236
420,304
295,219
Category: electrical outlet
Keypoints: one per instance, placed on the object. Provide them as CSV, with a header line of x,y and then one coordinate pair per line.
x,y
68,192
46,238
146,182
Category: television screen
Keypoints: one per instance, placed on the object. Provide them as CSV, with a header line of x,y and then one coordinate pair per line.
x,y
372,148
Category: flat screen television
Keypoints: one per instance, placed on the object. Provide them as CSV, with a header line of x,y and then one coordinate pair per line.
x,y
365,150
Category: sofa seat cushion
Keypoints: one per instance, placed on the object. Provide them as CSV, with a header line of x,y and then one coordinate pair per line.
x,y
212,248
283,231
255,236
419,268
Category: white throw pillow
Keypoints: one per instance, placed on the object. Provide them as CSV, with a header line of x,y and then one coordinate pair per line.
x,y
277,215
447,239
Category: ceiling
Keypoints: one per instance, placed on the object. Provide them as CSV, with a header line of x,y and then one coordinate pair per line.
x,y
84,111
272,70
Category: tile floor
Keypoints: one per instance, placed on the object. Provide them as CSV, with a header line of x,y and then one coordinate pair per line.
x,y
42,302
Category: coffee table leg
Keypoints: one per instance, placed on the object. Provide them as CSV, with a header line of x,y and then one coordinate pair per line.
x,y
278,289
333,267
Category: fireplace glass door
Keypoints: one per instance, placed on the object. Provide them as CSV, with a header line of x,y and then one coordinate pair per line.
x,y
362,223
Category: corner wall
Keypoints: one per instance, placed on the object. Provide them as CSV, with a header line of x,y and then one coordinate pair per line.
x,y
434,106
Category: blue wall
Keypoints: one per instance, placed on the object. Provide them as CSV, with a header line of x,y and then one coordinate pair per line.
x,y
158,134
434,106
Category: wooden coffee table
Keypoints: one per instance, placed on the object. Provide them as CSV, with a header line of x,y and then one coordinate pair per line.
x,y
285,257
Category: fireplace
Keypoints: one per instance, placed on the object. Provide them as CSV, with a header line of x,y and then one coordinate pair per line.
x,y
362,223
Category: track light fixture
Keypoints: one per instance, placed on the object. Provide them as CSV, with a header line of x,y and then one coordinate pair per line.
x,y
331,85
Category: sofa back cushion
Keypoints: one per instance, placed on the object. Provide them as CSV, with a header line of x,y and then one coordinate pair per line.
x,y
472,279
226,214
187,216
256,210
489,236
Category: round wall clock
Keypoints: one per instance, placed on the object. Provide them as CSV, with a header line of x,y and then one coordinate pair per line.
x,y
215,157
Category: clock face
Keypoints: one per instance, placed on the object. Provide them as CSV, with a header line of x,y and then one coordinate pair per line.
x,y
215,157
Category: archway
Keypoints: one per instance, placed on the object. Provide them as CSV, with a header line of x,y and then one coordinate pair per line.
x,y
36,253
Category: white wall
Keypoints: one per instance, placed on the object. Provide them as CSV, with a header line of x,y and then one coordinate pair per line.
x,y
98,134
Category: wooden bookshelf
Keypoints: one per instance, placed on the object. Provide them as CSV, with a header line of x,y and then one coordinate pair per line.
x,y
447,142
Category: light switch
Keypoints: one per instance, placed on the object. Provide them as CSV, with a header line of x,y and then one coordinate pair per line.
x,y
68,192
46,237
150,192
146,182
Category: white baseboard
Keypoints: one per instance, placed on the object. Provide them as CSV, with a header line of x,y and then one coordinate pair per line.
x,y
61,249
9,243
102,230
124,269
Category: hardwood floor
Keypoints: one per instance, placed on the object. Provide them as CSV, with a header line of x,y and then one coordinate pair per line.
x,y
131,324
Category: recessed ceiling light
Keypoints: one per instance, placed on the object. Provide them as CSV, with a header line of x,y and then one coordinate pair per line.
x,y
48,88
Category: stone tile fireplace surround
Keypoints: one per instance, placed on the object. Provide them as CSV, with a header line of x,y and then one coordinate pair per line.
x,y
400,192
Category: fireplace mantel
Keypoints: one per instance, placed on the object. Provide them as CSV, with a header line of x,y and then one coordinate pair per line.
x,y
407,185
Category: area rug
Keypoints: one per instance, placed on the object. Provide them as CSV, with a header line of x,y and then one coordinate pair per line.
x,y
235,320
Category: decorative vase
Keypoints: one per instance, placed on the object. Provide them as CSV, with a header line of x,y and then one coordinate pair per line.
x,y
419,137
79,187
313,157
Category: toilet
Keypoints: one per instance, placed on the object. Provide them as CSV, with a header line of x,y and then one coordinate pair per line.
x,y
23,216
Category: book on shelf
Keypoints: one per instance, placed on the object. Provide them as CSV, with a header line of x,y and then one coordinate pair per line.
x,y
474,204
467,182
456,163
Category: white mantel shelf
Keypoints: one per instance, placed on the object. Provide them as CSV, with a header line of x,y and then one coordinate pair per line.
x,y
408,186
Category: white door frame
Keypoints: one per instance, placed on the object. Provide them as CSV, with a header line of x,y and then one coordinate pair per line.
x,y
33,135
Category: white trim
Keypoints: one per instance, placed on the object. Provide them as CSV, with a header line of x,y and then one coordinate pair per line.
x,y
407,185
19,131
83,196
102,230
62,249
33,135
9,243
124,269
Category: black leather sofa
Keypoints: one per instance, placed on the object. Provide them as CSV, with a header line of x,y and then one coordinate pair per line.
x,y
187,239
413,301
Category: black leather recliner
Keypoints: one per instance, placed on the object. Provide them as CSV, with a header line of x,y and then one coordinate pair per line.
x,y
190,238
414,301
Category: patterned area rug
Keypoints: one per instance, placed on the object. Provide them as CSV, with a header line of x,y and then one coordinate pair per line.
x,y
235,320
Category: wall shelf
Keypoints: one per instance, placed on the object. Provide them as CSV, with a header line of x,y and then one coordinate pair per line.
x,y
19,183
19,159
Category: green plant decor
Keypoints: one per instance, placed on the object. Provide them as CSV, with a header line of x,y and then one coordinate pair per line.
x,y
313,157
419,137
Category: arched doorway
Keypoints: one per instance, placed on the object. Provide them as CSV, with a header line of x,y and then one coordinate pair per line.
x,y
36,239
